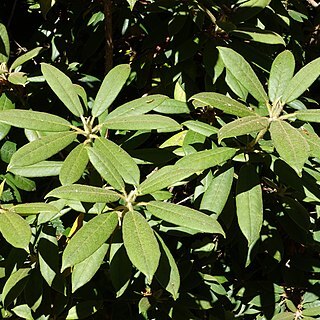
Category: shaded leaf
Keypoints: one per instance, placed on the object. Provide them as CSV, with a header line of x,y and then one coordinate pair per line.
x,y
4,44
201,127
5,104
83,309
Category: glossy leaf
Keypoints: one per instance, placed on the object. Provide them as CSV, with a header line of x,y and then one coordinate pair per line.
x,y
281,73
41,149
84,193
132,3
302,80
25,57
314,142
224,103
259,35
248,9
40,169
4,44
242,71
74,165
249,203
184,217
5,104
63,88
141,244
15,229
89,239
110,88
33,208
243,126
290,144
34,120
311,115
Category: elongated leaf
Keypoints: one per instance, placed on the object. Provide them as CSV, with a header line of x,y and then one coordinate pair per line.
x,y
236,86
83,309
141,244
4,44
84,193
284,316
224,103
138,106
110,88
15,229
34,120
184,217
217,193
290,144
243,126
167,272
5,104
143,122
281,73
248,9
40,169
171,106
301,81
205,159
63,88
89,239
132,3
18,78
33,208
25,57
84,271
74,165
242,71
312,115
258,35
201,127
23,311
313,141
41,149
121,160
249,203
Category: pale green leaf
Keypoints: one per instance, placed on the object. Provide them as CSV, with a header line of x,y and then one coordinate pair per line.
x,y
224,103
34,120
131,3
41,149
63,88
281,73
18,78
143,122
110,88
25,57
74,165
141,244
2,187
249,203
33,208
284,316
4,44
290,144
83,310
15,229
84,193
84,271
40,169
184,217
302,80
5,104
242,71
312,115
23,311
171,106
89,239
201,127
243,126
259,35
217,193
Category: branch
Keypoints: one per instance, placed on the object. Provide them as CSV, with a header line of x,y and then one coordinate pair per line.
x,y
108,54
314,3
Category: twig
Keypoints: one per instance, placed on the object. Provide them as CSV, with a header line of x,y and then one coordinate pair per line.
x,y
108,55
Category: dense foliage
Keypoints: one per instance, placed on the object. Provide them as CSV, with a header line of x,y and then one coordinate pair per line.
x,y
159,159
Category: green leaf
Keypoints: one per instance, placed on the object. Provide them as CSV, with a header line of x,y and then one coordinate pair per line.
x,y
137,107
83,310
290,144
284,316
74,165
243,126
84,271
249,203
171,106
18,78
110,88
205,159
201,127
315,311
242,71
40,169
4,44
33,208
131,3
34,120
281,73
141,244
5,104
63,88
143,122
41,149
217,193
302,80
313,141
248,9
25,57
184,217
89,239
121,160
224,103
258,35
236,86
312,115
15,229
84,193
167,273
23,311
